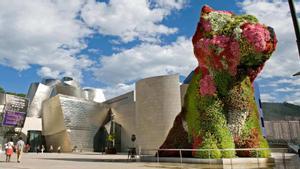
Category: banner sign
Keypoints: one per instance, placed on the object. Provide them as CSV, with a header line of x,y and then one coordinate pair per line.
x,y
15,111
14,118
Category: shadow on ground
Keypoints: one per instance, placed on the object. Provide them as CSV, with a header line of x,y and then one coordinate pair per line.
x,y
91,160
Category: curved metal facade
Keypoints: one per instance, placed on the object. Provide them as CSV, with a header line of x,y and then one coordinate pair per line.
x,y
158,101
51,82
70,81
37,93
70,121
67,90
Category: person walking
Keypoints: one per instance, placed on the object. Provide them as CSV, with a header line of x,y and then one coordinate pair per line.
x,y
9,150
42,149
37,149
51,149
58,149
20,148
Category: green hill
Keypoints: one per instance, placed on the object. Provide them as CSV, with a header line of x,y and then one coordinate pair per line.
x,y
281,111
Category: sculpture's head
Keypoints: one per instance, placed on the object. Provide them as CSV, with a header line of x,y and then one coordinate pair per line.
x,y
237,44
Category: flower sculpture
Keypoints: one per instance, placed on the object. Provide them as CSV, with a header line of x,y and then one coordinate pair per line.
x,y
219,110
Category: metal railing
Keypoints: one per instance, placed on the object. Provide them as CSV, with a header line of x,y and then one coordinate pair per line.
x,y
281,155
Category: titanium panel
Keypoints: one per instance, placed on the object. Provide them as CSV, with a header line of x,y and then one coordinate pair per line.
x,y
37,93
68,90
158,102
70,81
76,122
51,82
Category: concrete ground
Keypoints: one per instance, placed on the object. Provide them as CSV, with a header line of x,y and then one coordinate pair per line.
x,y
97,161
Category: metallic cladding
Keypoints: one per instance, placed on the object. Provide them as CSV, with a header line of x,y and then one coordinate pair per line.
x,y
76,121
67,90
70,81
37,93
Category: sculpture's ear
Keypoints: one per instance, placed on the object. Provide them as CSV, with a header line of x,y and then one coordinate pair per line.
x,y
198,34
206,9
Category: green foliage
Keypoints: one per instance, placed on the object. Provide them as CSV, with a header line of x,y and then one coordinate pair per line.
x,y
236,23
110,137
191,105
205,117
210,142
248,138
16,94
2,90
223,81
214,121
263,144
279,111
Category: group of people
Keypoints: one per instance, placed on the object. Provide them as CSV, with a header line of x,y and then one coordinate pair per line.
x,y
20,147
9,149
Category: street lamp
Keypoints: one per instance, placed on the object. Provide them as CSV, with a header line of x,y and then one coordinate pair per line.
x,y
296,27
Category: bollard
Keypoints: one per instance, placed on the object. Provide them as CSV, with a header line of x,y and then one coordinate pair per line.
x,y
180,156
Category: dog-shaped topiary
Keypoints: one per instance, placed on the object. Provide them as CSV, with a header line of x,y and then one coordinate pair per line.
x,y
219,110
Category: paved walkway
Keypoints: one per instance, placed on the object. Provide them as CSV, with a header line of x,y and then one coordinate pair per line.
x,y
97,161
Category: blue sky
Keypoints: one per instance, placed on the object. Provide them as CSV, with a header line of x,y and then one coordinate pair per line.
x,y
111,44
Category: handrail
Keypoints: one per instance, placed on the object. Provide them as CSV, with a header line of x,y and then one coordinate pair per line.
x,y
225,149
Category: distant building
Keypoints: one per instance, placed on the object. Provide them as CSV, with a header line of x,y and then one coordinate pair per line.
x,y
51,101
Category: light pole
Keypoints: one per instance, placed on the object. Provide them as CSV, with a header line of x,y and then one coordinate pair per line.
x,y
296,27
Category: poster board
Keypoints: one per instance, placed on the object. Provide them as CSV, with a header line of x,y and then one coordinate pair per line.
x,y
15,111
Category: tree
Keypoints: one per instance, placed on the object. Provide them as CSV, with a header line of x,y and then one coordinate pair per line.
x,y
1,90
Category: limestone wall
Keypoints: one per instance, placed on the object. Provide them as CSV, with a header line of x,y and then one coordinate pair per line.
x,y
158,102
123,108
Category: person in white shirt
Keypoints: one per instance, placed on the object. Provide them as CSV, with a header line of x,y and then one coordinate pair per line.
x,y
20,148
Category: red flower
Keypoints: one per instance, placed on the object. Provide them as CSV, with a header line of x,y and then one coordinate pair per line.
x,y
206,9
207,86
257,35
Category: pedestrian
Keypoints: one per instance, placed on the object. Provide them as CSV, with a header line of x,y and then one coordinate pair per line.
x,y
37,149
20,148
58,149
43,149
27,148
51,149
9,150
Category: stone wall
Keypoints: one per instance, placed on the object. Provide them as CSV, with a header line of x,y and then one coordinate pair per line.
x,y
158,102
282,130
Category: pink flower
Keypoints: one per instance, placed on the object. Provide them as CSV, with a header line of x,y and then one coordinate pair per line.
x,y
257,35
225,12
206,25
207,86
234,58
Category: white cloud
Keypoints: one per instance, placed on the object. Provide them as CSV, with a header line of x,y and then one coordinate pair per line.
x,y
147,60
265,97
285,61
130,19
276,77
44,33
50,34
287,90
170,4
118,89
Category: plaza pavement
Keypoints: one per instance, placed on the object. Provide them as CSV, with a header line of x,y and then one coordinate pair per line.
x,y
98,161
